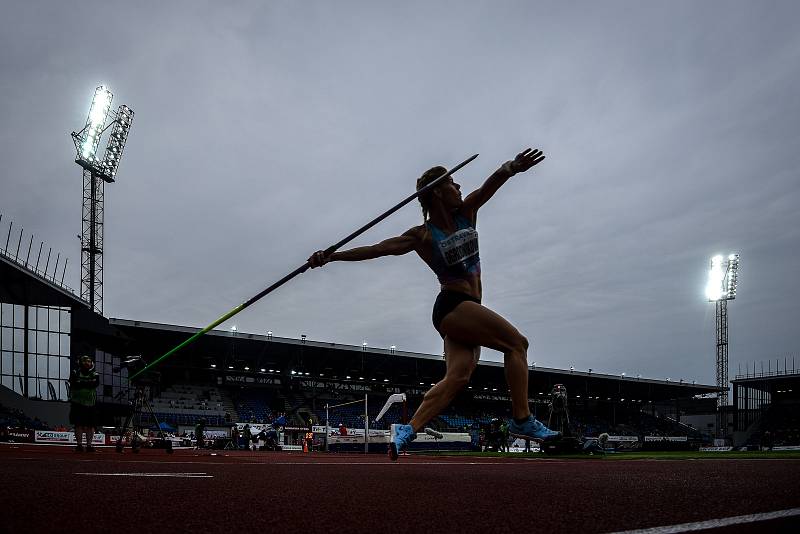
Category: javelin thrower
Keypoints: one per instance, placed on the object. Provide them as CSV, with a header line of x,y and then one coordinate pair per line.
x,y
447,242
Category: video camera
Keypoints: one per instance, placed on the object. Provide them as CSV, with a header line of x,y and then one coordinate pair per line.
x,y
131,363
134,364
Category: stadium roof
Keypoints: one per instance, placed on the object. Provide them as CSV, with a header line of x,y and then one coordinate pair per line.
x,y
782,382
22,285
240,353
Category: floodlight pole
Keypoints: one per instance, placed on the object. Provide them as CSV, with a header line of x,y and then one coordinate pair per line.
x,y
722,352
92,240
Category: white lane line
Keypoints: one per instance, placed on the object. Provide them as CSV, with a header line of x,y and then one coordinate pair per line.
x,y
716,523
166,475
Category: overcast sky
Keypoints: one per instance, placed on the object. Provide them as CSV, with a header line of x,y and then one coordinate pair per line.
x,y
266,130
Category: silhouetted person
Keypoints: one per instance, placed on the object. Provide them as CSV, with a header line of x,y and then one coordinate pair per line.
x,y
83,383
199,433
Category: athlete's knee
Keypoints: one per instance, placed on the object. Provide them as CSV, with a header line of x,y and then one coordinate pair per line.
x,y
459,379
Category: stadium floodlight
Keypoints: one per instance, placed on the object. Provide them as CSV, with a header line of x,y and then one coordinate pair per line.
x,y
95,123
722,278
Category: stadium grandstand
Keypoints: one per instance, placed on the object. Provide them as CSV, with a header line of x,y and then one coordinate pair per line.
x,y
767,406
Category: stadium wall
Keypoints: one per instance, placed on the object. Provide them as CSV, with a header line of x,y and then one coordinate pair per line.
x,y
52,413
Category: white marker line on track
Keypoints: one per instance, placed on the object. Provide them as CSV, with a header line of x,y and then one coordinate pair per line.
x,y
311,463
389,464
172,475
716,523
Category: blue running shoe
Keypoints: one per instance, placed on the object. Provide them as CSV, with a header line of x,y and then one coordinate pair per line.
x,y
531,429
403,435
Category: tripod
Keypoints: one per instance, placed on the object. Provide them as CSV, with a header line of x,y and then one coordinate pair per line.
x,y
559,420
138,403
559,414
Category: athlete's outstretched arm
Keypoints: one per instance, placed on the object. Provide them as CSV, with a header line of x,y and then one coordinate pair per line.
x,y
524,161
395,246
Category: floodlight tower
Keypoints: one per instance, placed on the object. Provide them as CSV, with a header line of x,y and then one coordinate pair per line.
x,y
96,172
720,289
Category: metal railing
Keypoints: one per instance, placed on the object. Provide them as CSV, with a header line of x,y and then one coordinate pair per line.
x,y
789,368
13,250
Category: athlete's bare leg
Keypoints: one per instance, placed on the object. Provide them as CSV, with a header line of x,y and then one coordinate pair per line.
x,y
472,324
461,363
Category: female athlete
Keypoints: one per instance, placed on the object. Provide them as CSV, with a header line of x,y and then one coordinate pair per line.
x,y
447,242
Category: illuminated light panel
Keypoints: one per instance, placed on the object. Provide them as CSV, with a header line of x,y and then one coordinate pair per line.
x,y
722,277
98,113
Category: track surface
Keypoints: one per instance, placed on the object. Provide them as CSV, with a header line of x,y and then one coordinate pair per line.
x,y
43,487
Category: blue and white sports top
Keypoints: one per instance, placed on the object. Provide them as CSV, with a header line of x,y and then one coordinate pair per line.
x,y
455,256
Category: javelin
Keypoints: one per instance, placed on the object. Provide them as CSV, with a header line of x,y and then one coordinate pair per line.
x,y
303,268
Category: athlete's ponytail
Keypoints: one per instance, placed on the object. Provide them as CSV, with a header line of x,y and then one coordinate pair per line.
x,y
427,177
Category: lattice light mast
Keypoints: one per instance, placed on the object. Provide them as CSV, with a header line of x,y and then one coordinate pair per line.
x,y
722,282
96,172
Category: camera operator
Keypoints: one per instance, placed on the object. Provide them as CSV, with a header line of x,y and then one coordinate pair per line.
x,y
199,433
83,383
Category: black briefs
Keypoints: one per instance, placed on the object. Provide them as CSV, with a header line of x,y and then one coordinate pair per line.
x,y
447,302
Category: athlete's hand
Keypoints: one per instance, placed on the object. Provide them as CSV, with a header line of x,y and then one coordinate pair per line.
x,y
318,259
526,159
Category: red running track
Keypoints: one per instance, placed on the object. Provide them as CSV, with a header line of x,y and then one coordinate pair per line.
x,y
43,489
